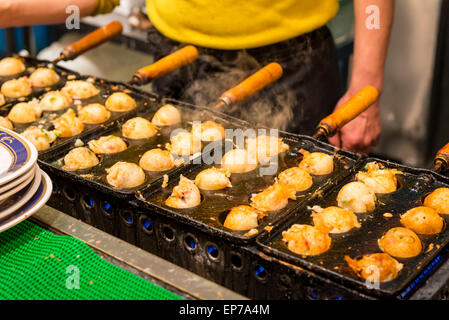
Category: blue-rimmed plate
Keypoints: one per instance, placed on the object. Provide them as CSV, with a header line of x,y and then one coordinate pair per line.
x,y
19,199
17,156
39,199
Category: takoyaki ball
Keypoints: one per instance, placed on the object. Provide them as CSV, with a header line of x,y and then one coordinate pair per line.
x,y
185,143
438,200
400,243
17,88
423,220
213,179
356,197
138,128
166,116
120,102
297,178
377,179
2,99
243,218
79,89
157,160
25,112
209,131
107,145
123,175
273,198
54,101
335,220
5,123
44,77
238,161
94,113
40,138
376,267
306,240
79,159
185,195
264,147
68,125
317,163
10,66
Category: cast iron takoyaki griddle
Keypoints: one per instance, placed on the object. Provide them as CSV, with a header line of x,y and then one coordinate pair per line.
x,y
136,148
106,89
215,205
413,186
31,65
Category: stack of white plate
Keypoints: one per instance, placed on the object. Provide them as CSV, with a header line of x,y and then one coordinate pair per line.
x,y
24,187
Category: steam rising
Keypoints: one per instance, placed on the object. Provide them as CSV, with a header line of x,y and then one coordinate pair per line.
x,y
271,107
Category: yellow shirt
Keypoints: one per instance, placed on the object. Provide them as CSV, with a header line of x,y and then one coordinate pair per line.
x,y
238,24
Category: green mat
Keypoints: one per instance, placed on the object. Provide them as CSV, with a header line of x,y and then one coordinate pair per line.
x,y
36,264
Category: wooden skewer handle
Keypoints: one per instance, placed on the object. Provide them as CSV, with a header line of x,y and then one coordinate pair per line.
x,y
90,41
256,82
352,108
441,161
165,65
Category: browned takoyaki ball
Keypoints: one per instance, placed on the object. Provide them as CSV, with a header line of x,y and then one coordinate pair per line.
x,y
238,161
317,163
94,113
306,240
17,88
25,112
40,138
167,115
120,102
10,66
209,130
243,218
438,200
157,160
335,220
107,145
297,178
138,128
79,89
400,243
54,101
44,77
79,159
123,175
263,147
376,267
68,125
423,220
185,143
273,198
377,179
185,195
356,197
213,179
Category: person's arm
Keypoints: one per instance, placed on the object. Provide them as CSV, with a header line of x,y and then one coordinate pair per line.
x,y
370,51
33,12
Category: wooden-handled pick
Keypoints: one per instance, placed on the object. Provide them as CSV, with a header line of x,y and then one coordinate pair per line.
x,y
165,65
361,101
441,161
90,41
254,83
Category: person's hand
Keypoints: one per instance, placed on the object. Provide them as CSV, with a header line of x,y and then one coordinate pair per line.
x,y
362,133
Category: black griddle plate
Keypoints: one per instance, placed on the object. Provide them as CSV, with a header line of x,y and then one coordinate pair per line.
x,y
136,148
211,213
414,185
